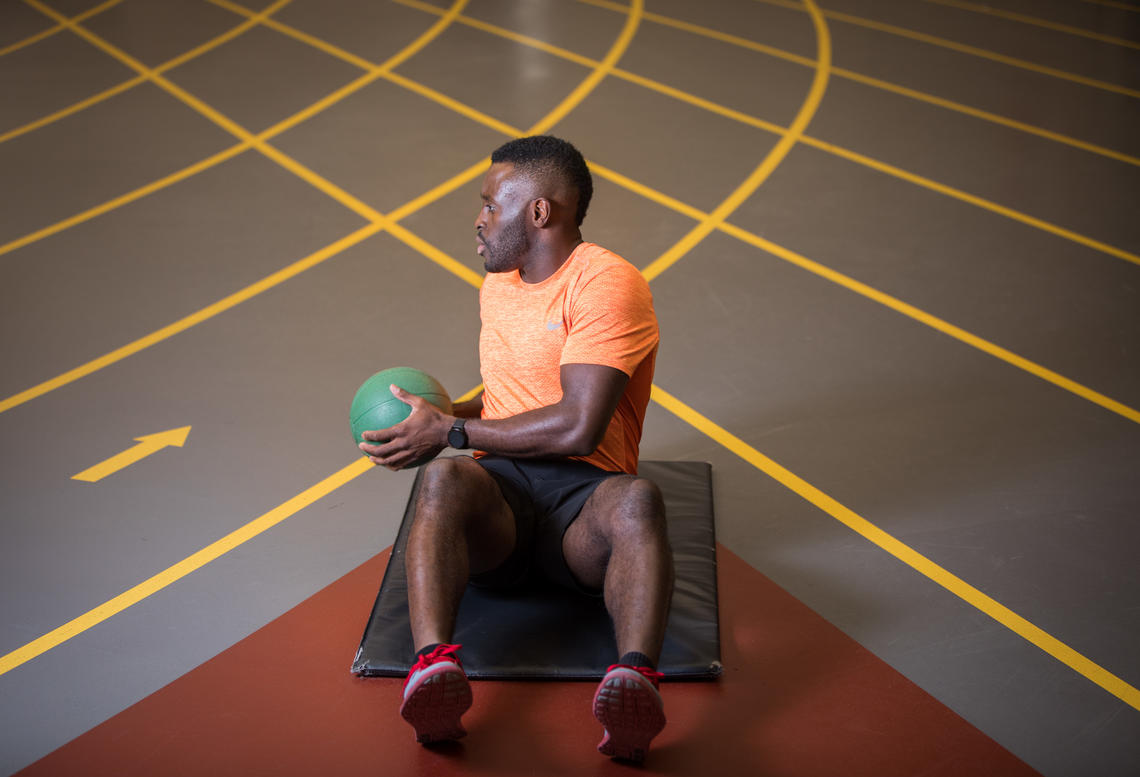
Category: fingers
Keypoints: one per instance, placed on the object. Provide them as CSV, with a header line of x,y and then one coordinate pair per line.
x,y
406,442
406,397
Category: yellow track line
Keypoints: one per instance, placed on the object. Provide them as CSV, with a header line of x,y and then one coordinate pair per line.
x,y
876,83
777,155
124,199
1036,22
36,38
921,316
993,118
1111,4
963,48
182,324
180,570
106,94
904,553
971,199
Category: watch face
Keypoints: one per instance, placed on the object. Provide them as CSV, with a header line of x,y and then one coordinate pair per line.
x,y
457,437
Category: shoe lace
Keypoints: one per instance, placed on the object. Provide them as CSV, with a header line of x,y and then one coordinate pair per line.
x,y
653,676
440,653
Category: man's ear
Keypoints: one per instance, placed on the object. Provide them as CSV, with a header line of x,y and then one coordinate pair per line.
x,y
540,212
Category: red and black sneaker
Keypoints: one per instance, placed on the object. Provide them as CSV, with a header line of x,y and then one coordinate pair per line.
x,y
436,694
629,707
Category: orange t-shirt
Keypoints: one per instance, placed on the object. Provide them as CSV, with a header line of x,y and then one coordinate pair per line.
x,y
595,309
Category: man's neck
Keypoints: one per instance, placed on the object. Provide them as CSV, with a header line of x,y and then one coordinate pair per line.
x,y
547,259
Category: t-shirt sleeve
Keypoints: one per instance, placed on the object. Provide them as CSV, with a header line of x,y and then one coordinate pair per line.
x,y
611,320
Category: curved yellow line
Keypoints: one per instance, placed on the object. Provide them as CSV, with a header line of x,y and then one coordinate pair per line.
x,y
37,37
770,162
107,94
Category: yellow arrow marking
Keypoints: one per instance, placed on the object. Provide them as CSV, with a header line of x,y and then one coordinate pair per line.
x,y
147,444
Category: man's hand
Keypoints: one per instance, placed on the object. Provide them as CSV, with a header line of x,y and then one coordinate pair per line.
x,y
419,437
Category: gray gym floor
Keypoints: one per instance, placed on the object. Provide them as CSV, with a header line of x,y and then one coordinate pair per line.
x,y
893,246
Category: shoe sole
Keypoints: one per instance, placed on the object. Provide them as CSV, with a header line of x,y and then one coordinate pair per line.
x,y
630,710
436,704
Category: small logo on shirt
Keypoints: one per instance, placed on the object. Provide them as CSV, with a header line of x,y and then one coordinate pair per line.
x,y
552,325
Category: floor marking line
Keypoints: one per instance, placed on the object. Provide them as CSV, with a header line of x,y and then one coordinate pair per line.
x,y
452,104
771,161
971,199
963,48
648,193
600,71
183,568
904,553
993,118
934,322
63,113
196,561
47,33
1111,4
867,80
110,92
1036,22
124,199
182,324
516,37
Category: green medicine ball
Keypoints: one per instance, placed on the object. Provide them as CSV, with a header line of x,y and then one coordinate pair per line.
x,y
374,407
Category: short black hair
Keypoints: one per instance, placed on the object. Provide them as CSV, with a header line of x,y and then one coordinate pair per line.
x,y
546,154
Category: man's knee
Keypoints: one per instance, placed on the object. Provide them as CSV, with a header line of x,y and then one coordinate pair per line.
x,y
449,487
635,505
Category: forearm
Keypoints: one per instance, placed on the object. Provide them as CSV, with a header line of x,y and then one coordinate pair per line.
x,y
550,431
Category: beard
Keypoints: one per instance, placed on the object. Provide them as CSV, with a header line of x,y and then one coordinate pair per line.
x,y
506,251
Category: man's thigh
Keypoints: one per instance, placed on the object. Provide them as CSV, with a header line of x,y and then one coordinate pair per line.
x,y
458,491
618,500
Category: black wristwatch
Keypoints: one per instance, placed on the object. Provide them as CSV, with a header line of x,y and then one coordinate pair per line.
x,y
457,437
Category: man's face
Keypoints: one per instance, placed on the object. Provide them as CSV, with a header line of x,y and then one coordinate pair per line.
x,y
500,228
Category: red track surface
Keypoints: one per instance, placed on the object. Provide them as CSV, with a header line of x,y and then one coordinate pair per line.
x,y
798,697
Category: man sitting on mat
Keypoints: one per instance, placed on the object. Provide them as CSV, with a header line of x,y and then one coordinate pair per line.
x,y
567,348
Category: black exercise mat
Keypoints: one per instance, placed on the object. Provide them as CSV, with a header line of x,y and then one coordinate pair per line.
x,y
552,633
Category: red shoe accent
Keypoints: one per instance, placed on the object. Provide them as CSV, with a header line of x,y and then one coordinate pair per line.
x,y
436,694
629,707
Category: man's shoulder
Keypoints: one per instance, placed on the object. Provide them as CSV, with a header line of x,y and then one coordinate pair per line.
x,y
594,261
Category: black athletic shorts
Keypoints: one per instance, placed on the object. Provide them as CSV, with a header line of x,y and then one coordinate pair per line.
x,y
545,496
